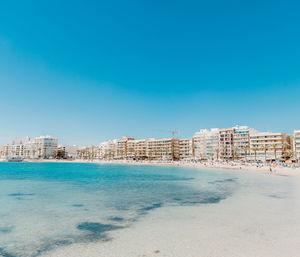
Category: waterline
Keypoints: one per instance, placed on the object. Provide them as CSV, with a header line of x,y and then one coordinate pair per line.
x,y
49,205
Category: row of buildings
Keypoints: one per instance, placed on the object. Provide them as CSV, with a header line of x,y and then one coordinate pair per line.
x,y
43,147
236,143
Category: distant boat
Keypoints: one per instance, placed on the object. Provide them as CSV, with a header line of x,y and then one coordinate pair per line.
x,y
15,159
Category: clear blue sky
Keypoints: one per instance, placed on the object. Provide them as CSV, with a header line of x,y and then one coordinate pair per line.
x,y
87,71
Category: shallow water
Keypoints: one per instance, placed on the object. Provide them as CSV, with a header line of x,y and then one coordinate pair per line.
x,y
45,206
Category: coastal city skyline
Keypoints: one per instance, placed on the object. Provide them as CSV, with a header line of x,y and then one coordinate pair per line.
x,y
238,143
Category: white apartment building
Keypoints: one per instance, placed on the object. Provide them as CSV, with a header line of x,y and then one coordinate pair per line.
x,y
206,144
268,146
19,147
241,140
186,149
45,146
28,148
297,145
107,149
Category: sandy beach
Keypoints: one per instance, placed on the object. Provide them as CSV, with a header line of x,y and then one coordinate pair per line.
x,y
234,166
270,169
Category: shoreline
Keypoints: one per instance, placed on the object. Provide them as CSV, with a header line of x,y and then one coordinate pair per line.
x,y
225,229
275,170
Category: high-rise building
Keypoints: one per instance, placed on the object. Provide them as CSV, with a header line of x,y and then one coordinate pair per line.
x,y
241,141
46,146
121,147
206,144
226,148
185,149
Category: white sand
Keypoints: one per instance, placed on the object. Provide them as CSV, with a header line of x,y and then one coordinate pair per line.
x,y
248,224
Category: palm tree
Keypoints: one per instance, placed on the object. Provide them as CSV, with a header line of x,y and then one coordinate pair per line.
x,y
40,152
235,152
265,148
274,147
255,149
217,152
54,153
288,154
285,148
33,153
245,148
223,154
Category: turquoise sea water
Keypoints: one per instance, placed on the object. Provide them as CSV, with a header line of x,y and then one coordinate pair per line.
x,y
49,205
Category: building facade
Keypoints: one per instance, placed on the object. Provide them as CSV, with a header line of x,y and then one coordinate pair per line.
x,y
241,141
166,149
31,148
121,147
107,149
297,145
268,146
137,149
226,147
46,146
141,149
205,143
186,149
